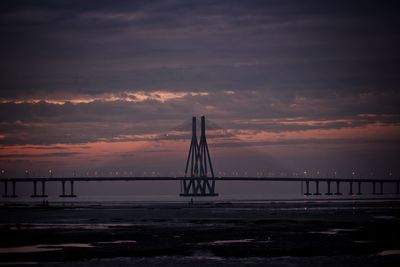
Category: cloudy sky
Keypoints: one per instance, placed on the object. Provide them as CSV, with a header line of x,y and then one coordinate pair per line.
x,y
286,86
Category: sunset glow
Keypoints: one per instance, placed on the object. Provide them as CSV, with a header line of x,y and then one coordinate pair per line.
x,y
107,87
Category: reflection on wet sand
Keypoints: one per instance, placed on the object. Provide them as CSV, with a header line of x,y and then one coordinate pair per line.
x,y
203,234
43,248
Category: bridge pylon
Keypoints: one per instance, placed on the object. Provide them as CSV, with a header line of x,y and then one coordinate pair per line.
x,y
198,183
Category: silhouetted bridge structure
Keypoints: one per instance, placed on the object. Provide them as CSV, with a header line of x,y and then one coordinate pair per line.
x,y
333,184
199,179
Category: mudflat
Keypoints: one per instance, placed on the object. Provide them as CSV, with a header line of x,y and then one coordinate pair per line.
x,y
349,233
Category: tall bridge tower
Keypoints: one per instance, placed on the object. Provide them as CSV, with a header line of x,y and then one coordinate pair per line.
x,y
198,183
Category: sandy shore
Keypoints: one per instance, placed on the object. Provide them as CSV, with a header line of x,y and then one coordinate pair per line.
x,y
203,234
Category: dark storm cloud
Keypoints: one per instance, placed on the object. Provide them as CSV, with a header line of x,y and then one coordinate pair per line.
x,y
101,46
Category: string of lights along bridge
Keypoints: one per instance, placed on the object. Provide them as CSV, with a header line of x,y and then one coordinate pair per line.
x,y
199,179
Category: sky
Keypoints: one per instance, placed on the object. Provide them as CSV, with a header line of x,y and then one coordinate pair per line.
x,y
287,87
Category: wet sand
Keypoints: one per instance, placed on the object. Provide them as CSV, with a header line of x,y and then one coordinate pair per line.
x,y
203,234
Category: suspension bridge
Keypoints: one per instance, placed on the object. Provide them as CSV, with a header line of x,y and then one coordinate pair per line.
x,y
199,179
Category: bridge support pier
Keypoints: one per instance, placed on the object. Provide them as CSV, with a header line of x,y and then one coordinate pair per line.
x,y
44,189
398,188
374,188
381,188
63,189
71,194
14,186
5,189
338,188
351,188
307,188
359,188
35,189
329,188
317,188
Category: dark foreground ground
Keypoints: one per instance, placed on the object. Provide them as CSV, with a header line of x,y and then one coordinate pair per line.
x,y
203,234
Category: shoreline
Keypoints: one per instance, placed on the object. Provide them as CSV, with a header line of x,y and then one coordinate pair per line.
x,y
202,202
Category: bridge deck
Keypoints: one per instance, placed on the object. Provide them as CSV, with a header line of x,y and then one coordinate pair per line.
x,y
170,178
